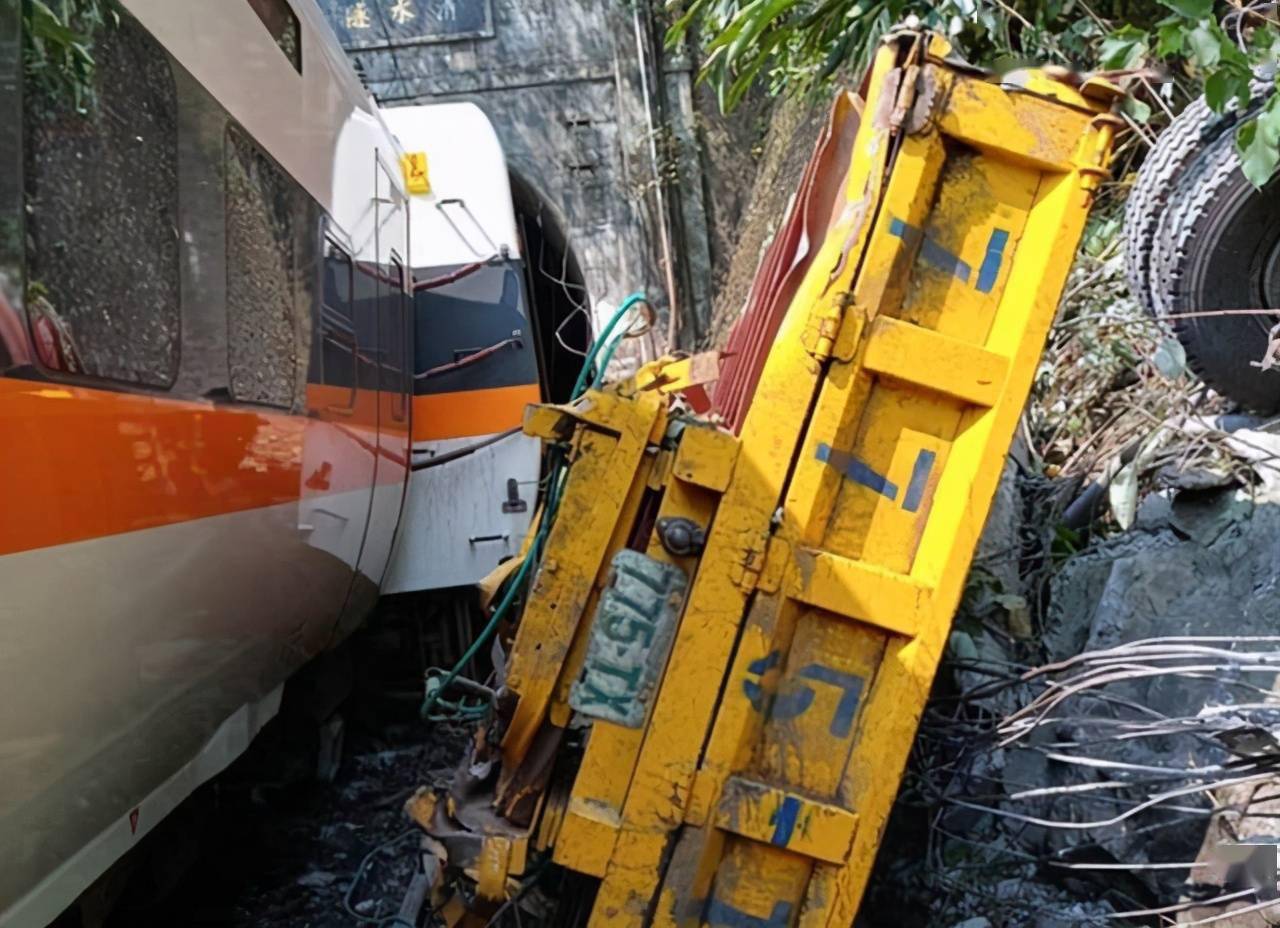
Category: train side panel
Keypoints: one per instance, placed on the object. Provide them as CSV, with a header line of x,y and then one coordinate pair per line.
x,y
192,445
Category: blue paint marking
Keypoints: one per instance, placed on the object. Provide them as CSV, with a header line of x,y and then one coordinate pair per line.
x,y
919,480
721,913
990,269
944,260
856,471
787,706
762,665
754,691
850,686
930,250
784,821
798,698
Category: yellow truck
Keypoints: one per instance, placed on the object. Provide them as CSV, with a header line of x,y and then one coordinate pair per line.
x,y
719,640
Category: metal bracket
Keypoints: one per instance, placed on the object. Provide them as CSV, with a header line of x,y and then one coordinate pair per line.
x,y
761,564
823,325
513,502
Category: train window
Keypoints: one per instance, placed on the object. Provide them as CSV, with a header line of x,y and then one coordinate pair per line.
x,y
13,338
100,178
262,204
337,330
282,23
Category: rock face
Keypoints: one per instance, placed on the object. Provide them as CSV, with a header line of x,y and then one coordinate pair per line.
x,y
794,126
979,832
1201,564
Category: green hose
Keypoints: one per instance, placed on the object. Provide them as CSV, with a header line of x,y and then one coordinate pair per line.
x,y
589,363
461,709
555,487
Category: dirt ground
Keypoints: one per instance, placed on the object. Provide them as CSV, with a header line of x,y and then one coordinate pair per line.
x,y
276,855
268,845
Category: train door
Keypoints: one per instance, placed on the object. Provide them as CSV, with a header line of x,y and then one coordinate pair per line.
x,y
388,369
338,459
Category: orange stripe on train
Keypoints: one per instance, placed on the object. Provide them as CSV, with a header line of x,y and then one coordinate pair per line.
x,y
82,463
466,413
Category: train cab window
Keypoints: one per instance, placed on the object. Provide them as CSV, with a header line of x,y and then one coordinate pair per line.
x,y
337,331
261,276
282,23
100,184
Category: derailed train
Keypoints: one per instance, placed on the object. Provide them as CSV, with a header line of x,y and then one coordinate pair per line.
x,y
232,344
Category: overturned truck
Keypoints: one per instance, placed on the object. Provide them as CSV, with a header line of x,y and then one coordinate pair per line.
x,y
715,645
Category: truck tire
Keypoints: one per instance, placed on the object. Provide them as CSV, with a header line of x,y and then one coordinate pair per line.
x,y
1197,239
1219,248
1148,199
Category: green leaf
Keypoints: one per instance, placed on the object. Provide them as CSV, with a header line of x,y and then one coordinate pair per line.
x,y
764,17
45,24
678,29
838,53
1136,109
1171,358
1191,9
1264,44
1171,38
1122,494
962,647
1205,47
1123,48
1258,144
1225,85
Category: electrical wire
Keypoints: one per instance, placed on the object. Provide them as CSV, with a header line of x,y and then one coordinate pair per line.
x,y
382,921
589,364
555,488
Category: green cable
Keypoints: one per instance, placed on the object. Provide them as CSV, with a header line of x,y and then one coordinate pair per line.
x,y
554,488
588,363
606,358
508,598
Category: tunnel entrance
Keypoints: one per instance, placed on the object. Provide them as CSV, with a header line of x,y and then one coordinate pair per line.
x,y
559,304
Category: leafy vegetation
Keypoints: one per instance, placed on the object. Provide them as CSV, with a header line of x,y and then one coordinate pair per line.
x,y
1229,49
57,46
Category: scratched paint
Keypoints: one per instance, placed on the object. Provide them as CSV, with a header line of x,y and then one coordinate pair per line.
x,y
873,613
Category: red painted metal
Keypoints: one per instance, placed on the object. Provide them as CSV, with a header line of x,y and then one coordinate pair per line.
x,y
821,200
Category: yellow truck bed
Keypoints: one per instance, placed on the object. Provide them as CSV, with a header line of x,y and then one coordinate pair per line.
x,y
741,631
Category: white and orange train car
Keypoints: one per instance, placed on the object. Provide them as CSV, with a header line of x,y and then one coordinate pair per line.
x,y
215,385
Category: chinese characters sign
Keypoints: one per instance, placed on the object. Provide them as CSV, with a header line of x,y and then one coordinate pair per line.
x,y
384,23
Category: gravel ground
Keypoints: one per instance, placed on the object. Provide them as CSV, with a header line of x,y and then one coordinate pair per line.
x,y
284,854
268,845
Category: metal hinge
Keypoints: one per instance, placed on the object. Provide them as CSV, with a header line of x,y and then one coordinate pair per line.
x,y
761,562
827,332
